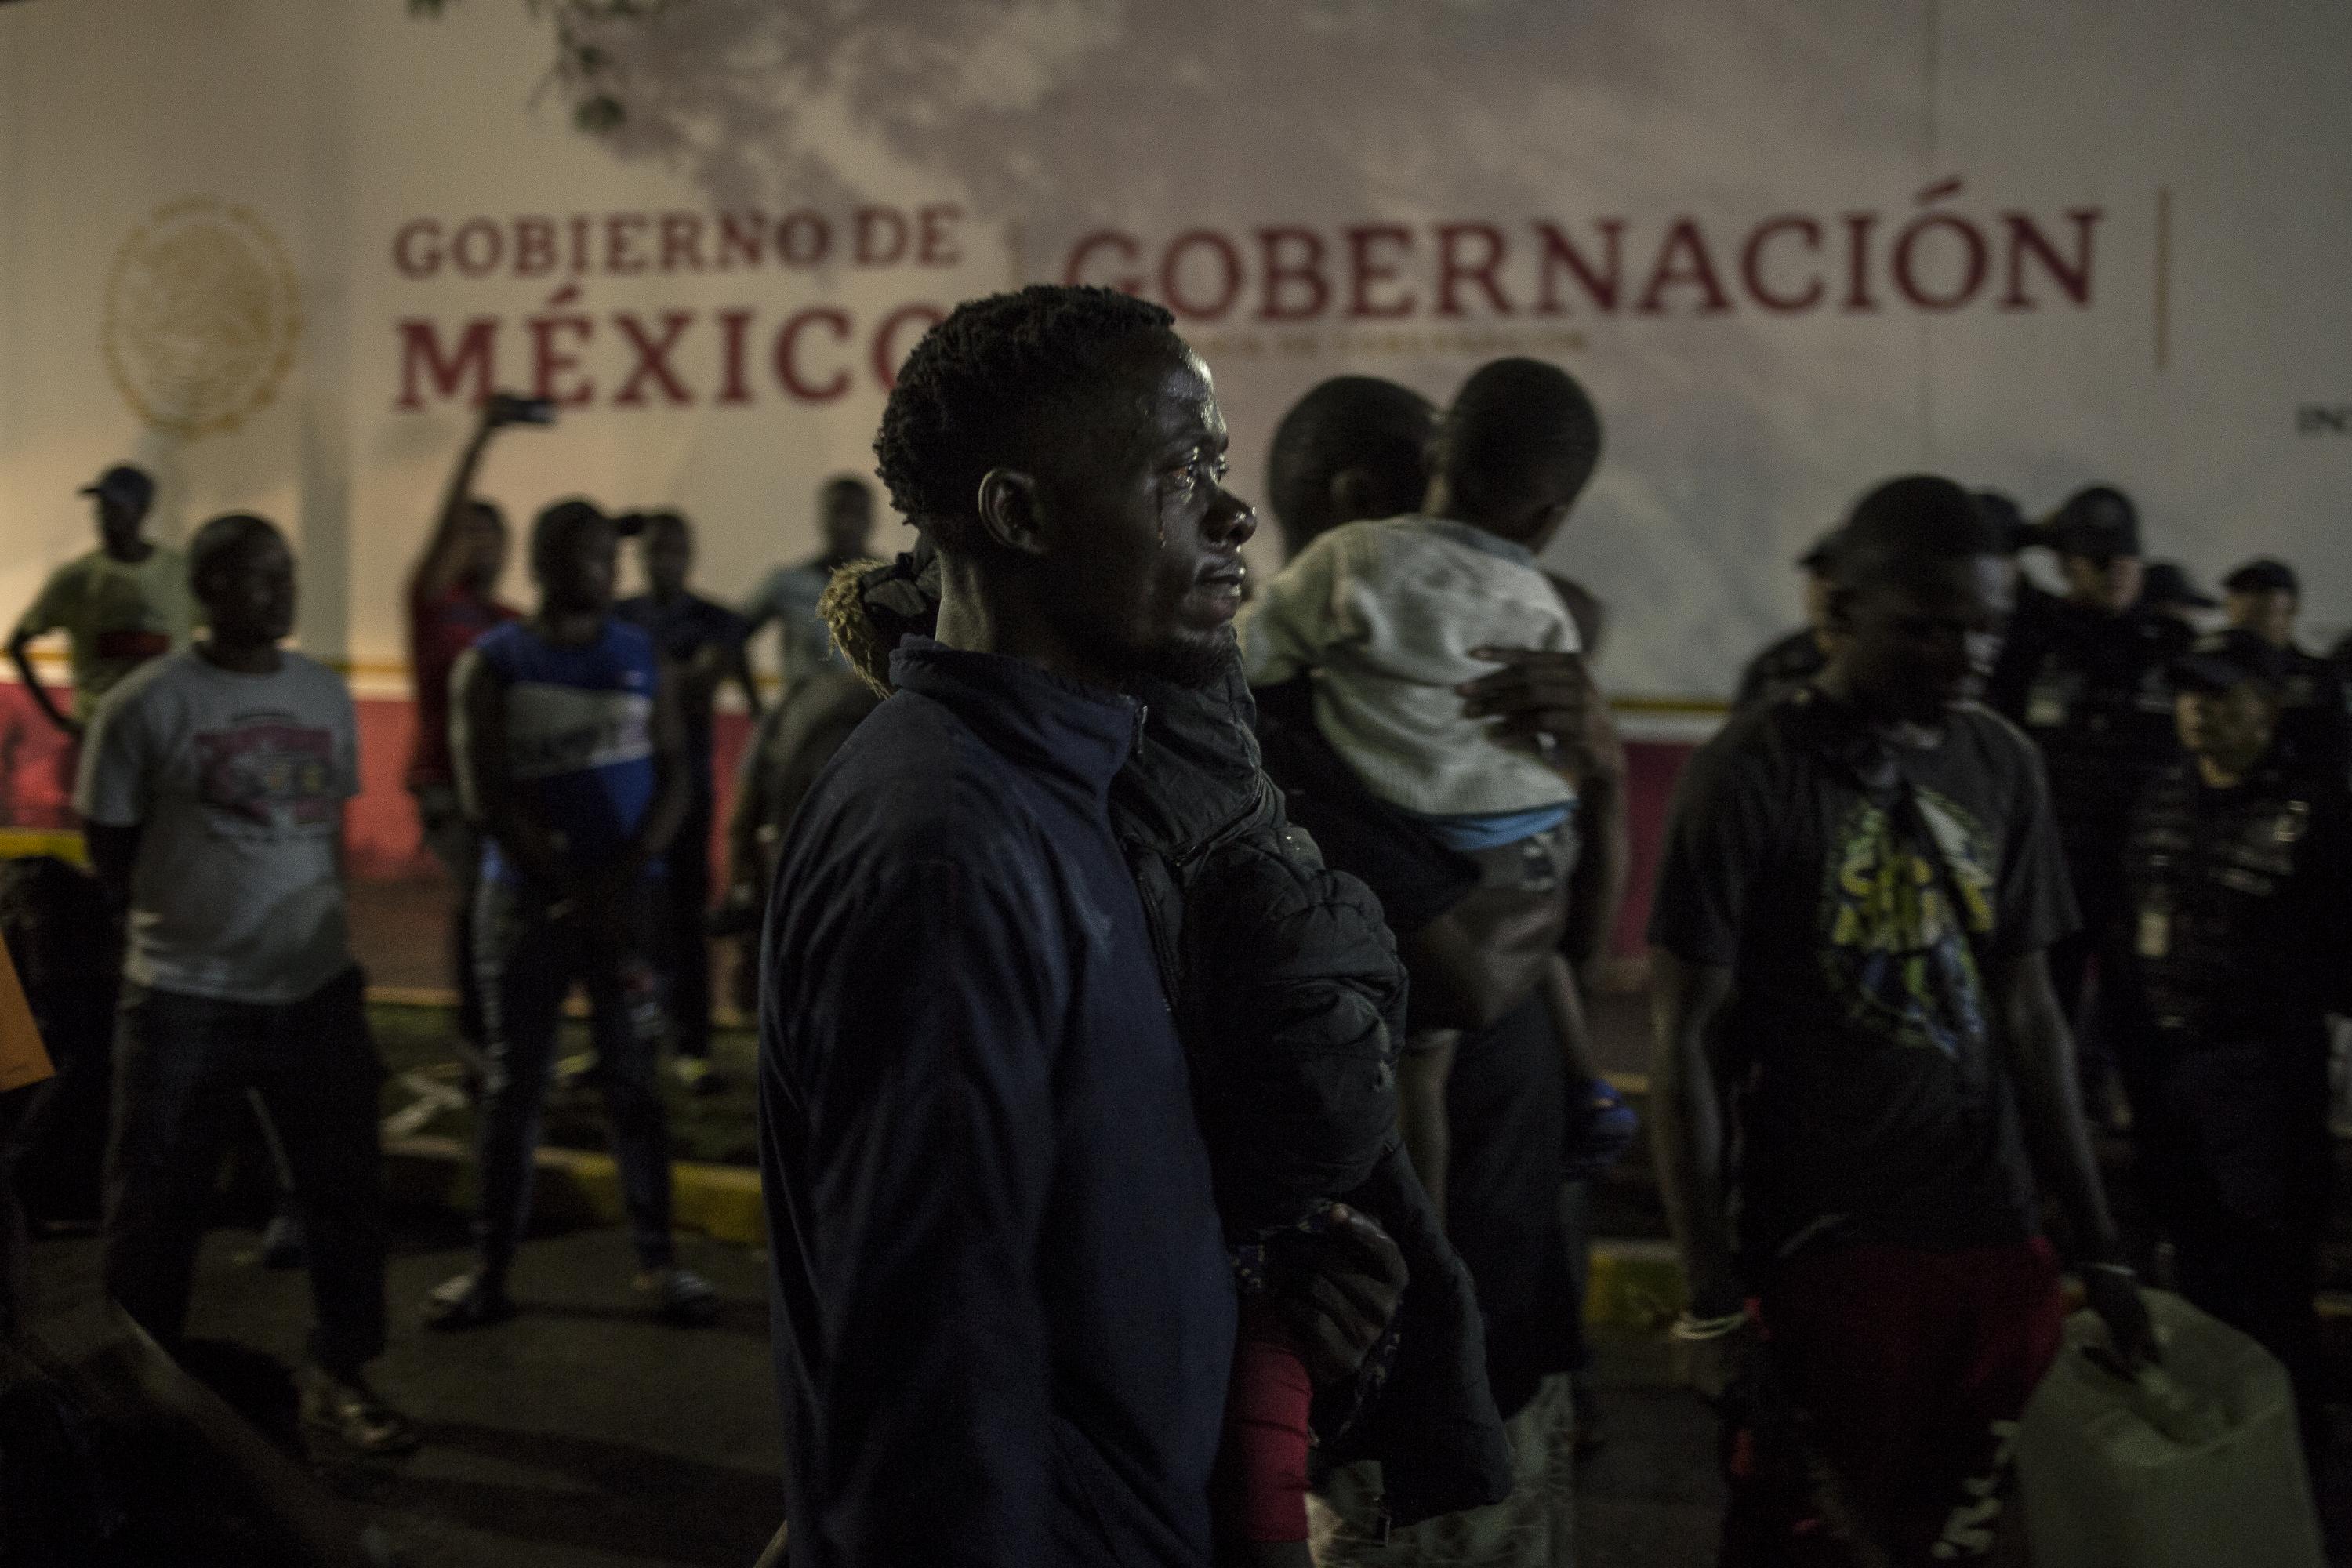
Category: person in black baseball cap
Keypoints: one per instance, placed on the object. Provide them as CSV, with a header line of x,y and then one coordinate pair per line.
x,y
124,492
2235,870
1792,661
119,605
2263,598
2166,588
2223,662
2096,536
2008,522
2093,688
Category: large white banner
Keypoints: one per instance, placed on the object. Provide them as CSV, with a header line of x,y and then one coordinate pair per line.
x,y
275,250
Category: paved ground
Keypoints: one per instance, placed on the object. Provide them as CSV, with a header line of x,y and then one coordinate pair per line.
x,y
584,1435
1652,1493
581,1435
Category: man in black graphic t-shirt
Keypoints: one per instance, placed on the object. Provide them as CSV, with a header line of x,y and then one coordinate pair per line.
x,y
1858,887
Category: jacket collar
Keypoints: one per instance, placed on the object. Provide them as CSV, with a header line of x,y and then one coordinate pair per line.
x,y
1196,772
1032,717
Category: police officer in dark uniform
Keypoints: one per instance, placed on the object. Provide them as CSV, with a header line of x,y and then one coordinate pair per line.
x,y
2030,613
2166,588
2093,687
2239,876
1796,659
2263,596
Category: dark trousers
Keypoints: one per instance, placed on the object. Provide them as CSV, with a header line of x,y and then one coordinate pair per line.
x,y
2232,1149
58,1145
681,945
183,1067
529,965
457,843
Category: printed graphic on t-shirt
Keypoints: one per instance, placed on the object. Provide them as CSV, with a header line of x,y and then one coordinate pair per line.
x,y
266,775
1896,958
554,730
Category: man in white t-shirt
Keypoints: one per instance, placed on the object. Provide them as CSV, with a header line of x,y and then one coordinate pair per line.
x,y
213,786
789,594
120,605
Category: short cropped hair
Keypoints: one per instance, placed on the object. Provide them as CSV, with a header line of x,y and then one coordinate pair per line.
x,y
557,525
975,393
215,544
1906,525
1521,434
1347,422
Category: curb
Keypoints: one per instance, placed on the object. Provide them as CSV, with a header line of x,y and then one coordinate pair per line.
x,y
1636,1289
23,843
578,1188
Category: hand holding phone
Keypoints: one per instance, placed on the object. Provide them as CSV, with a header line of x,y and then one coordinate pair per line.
x,y
513,408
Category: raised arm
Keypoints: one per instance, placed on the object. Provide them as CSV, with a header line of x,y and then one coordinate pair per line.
x,y
443,556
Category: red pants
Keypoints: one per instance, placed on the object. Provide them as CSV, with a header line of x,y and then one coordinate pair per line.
x,y
1887,1402
1259,1491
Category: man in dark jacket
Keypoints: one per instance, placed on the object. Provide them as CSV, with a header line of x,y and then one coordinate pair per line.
x,y
1003,1311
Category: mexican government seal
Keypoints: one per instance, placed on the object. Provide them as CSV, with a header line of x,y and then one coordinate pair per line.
x,y
203,314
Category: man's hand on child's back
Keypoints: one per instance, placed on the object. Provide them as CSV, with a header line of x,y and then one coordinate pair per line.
x,y
1543,695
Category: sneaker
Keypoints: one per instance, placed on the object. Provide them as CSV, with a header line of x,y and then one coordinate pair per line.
x,y
343,1406
468,1301
681,1295
283,1242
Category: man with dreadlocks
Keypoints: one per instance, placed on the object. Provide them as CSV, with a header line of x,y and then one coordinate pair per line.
x,y
1061,452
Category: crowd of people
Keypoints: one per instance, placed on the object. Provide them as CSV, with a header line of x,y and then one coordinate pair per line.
x,y
1175,1091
